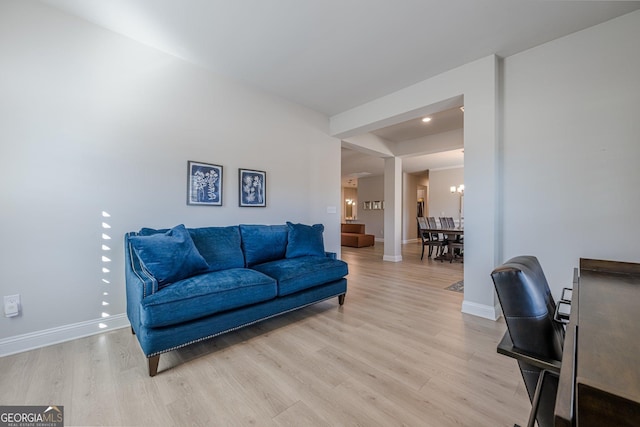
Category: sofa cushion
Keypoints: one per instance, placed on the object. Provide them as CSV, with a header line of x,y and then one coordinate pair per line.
x,y
206,294
263,243
169,256
219,246
304,240
296,274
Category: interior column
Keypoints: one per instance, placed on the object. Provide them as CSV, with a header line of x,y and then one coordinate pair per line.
x,y
393,209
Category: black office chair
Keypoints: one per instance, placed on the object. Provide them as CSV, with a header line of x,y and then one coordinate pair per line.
x,y
533,337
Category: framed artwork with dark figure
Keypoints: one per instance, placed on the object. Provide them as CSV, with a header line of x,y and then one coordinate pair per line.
x,y
252,187
204,184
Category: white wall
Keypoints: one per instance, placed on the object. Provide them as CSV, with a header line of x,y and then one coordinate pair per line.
x,y
441,201
572,149
94,122
371,189
409,207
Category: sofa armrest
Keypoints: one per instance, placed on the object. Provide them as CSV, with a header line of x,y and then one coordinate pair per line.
x,y
331,255
135,273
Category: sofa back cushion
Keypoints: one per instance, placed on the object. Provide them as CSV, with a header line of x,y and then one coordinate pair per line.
x,y
169,256
263,243
352,228
305,240
219,246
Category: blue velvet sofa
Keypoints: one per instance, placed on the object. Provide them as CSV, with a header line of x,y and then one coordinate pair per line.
x,y
188,285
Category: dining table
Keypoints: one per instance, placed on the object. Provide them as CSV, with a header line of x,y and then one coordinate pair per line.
x,y
447,234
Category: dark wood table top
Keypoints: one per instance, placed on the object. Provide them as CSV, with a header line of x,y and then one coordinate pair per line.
x,y
604,329
456,231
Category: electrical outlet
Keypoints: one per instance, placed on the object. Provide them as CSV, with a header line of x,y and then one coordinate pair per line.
x,y
11,305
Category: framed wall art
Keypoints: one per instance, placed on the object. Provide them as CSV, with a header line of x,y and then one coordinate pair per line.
x,y
204,184
252,186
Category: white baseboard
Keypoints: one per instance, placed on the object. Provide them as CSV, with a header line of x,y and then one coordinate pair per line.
x,y
33,340
392,258
481,310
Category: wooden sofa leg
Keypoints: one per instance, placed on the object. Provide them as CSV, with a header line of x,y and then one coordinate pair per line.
x,y
153,365
132,331
341,299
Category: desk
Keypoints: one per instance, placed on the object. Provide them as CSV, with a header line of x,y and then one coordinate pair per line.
x,y
458,232
600,376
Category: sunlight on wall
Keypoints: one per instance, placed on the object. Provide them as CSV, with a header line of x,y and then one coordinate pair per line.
x,y
105,270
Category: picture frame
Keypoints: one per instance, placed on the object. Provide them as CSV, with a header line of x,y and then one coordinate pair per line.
x,y
204,184
366,206
252,188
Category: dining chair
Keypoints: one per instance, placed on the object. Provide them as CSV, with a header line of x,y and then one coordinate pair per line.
x,y
533,337
454,242
431,221
458,244
427,238
456,247
450,222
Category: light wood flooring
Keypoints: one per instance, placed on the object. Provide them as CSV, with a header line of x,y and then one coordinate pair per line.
x,y
398,353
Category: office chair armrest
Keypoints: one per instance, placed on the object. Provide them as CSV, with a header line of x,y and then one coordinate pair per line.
x,y
536,396
563,307
562,313
507,348
567,294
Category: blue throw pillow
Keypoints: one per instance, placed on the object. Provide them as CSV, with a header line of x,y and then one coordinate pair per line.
x,y
263,243
219,246
144,231
169,256
305,240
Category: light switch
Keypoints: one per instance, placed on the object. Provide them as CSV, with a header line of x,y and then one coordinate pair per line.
x,y
11,305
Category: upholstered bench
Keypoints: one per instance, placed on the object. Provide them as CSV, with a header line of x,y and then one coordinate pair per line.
x,y
353,235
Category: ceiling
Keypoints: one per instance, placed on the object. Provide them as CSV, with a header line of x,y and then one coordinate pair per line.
x,y
442,121
357,165
333,55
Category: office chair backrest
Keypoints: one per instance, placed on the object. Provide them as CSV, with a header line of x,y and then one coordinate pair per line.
x,y
528,308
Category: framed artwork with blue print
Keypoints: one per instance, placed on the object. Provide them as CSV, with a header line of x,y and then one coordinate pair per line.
x,y
204,185
253,188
